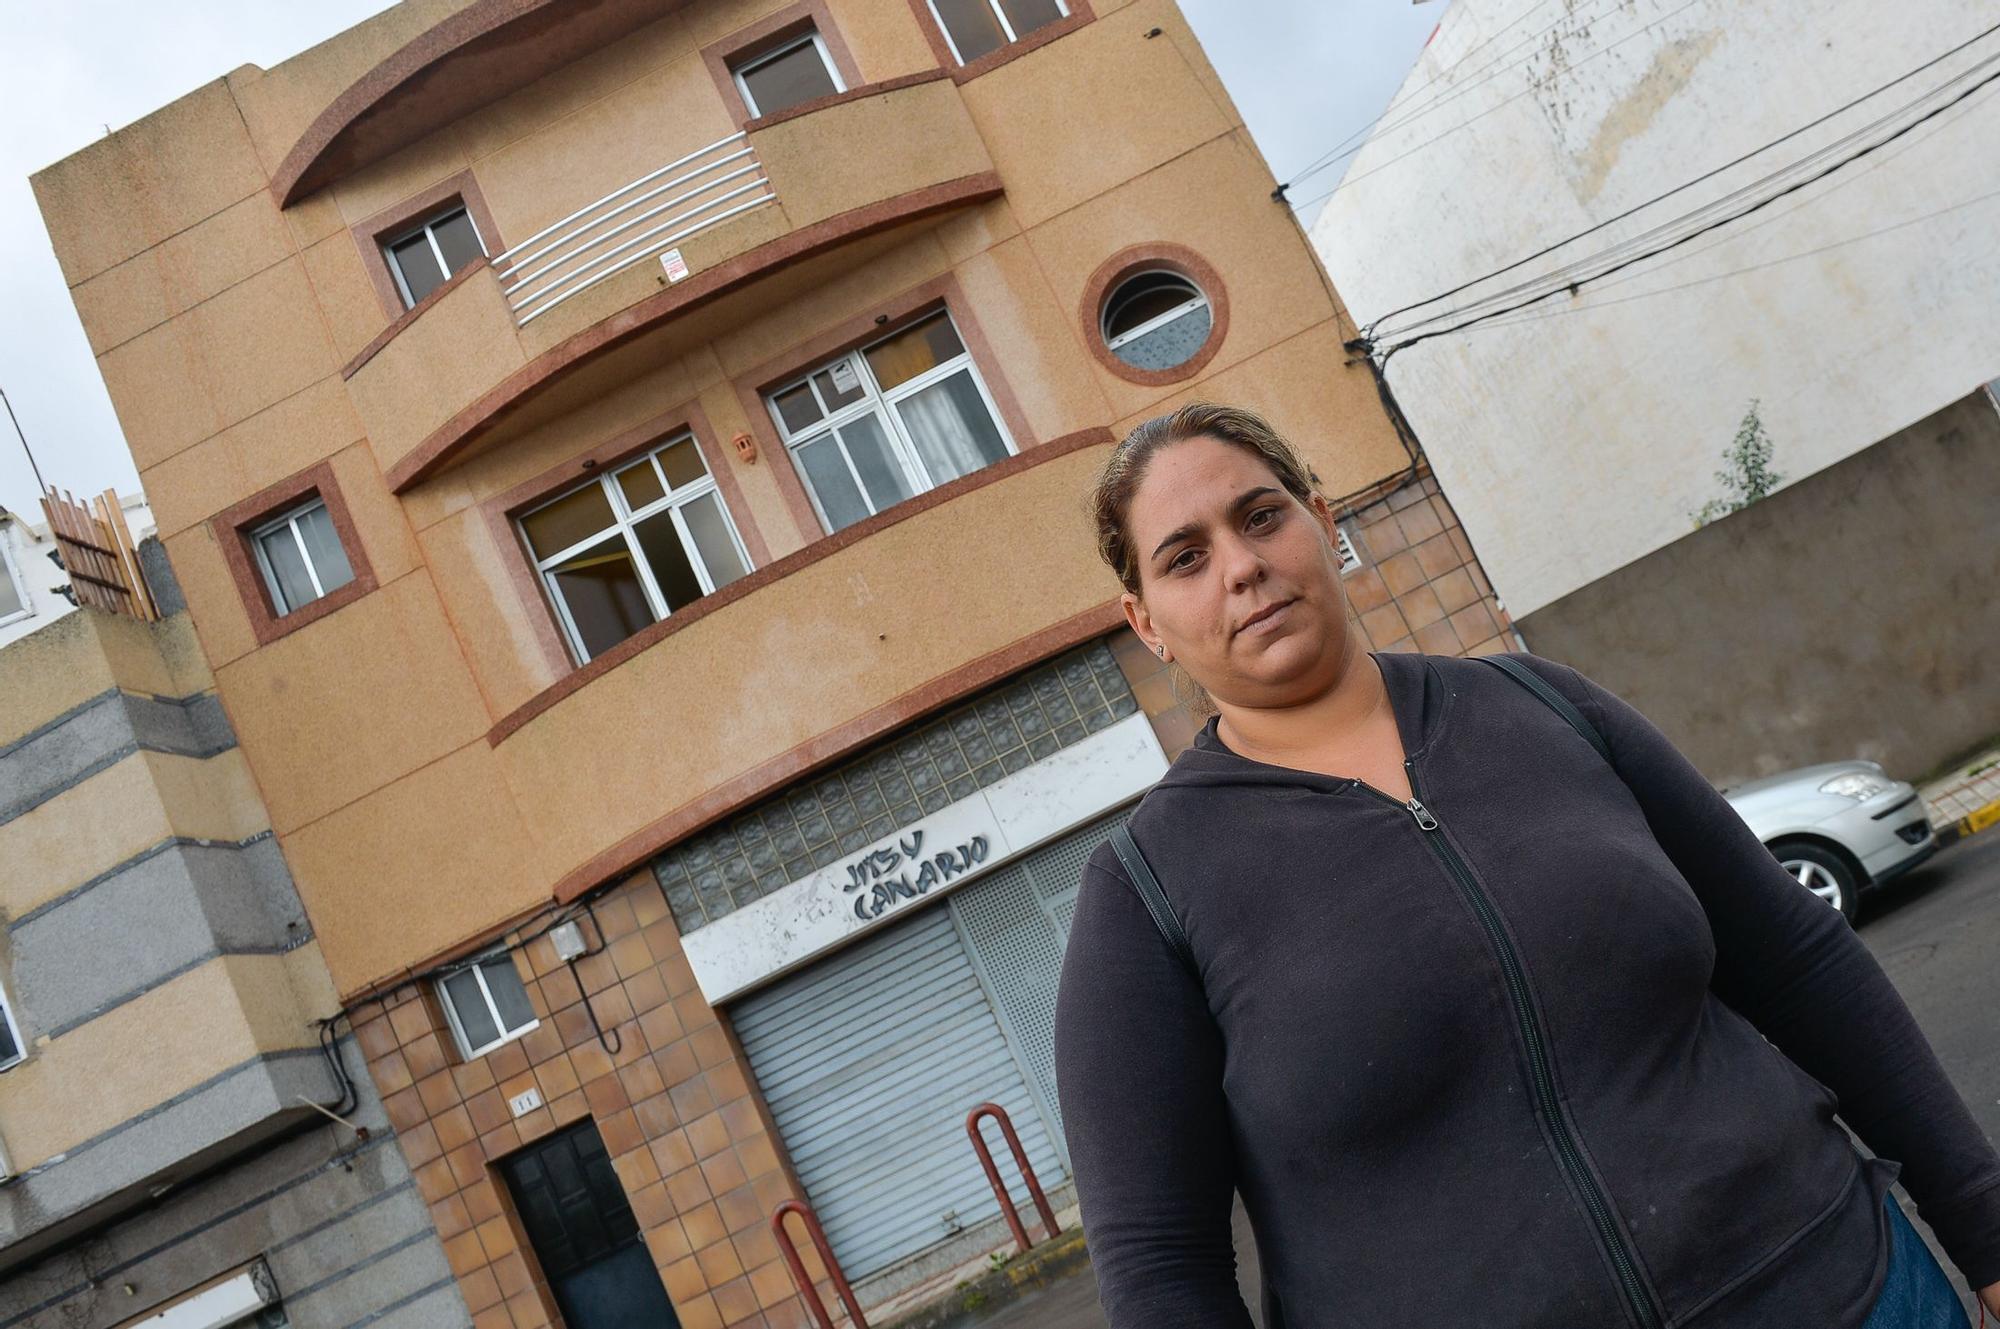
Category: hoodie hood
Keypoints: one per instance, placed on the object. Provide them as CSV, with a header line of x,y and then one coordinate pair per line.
x,y
1417,694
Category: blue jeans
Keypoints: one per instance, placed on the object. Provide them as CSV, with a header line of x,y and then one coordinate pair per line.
x,y
1915,1292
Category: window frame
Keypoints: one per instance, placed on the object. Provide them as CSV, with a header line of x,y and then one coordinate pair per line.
x,y
624,519
1158,321
10,571
876,401
290,519
1006,26
13,1031
477,964
765,55
426,226
231,530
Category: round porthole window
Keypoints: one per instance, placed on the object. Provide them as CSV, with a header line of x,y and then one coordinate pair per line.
x,y
1156,320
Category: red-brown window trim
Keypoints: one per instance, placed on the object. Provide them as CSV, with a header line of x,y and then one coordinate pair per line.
x,y
1129,262
1079,14
500,511
368,236
942,292
231,529
771,30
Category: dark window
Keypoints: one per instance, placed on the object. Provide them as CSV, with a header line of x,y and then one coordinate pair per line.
x,y
980,27
300,555
424,256
780,78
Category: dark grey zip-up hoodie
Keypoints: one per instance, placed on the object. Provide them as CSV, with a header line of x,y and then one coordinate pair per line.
x,y
1500,1060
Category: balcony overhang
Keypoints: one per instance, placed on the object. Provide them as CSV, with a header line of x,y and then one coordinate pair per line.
x,y
630,328
478,55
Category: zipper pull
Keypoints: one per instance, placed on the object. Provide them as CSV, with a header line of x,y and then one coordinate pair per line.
x,y
1423,815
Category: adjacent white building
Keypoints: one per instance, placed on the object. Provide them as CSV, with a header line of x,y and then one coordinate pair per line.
x,y
1850,309
1858,302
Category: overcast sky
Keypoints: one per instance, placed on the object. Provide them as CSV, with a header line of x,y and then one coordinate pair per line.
x,y
1303,72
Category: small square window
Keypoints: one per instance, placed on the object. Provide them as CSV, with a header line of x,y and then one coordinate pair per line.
x,y
486,1003
781,77
300,555
980,27
429,252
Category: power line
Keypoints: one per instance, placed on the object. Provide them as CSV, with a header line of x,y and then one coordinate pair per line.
x,y
1723,221
1706,175
1776,217
1746,268
1562,275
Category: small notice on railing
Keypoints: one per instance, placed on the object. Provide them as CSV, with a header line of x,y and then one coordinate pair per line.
x,y
675,265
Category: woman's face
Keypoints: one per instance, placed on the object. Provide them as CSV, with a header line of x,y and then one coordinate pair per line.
x,y
1237,578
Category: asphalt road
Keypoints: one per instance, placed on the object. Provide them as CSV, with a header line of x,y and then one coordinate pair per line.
x,y
1936,932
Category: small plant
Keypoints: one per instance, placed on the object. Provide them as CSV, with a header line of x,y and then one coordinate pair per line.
x,y
1747,475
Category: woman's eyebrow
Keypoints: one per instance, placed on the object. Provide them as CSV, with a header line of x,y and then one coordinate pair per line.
x,y
1183,531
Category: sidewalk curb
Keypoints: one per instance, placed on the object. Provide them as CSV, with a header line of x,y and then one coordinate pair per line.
x,y
975,1299
1974,821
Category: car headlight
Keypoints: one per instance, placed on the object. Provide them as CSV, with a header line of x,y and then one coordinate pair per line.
x,y
1858,785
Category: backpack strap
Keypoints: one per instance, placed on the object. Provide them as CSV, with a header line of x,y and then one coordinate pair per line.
x,y
1155,899
1560,704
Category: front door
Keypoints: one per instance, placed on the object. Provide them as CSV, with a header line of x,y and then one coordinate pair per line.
x,y
583,1232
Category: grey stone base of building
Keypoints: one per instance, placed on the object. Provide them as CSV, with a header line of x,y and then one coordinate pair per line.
x,y
338,1220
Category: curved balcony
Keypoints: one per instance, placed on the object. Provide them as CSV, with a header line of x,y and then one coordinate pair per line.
x,y
681,724
792,192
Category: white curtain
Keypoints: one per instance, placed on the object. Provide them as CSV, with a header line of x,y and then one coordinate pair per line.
x,y
953,431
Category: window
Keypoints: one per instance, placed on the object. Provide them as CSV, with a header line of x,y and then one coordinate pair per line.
x,y
785,75
627,549
1156,319
980,27
11,1050
486,1004
13,595
422,257
300,555
888,421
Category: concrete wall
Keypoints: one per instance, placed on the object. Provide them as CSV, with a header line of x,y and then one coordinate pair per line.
x,y
1851,309
1847,615
165,983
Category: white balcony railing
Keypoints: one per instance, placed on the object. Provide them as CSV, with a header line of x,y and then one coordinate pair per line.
x,y
594,242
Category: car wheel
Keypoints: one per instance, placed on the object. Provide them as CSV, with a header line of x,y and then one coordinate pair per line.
x,y
1823,872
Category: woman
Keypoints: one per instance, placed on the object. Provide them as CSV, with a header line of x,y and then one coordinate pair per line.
x,y
1479,1028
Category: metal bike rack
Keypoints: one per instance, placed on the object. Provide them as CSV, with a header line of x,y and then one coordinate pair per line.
x,y
993,1173
800,1278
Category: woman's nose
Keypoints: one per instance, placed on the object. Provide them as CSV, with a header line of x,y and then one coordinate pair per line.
x,y
1240,562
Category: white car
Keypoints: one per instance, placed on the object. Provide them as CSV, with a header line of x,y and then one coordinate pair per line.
x,y
1841,828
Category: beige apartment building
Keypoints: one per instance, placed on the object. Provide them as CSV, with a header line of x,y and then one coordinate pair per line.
x,y
625,463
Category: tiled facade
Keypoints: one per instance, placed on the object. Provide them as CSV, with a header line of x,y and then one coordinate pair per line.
x,y
692,1144
1419,587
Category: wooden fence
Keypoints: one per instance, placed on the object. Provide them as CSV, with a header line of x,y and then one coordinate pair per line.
x,y
96,549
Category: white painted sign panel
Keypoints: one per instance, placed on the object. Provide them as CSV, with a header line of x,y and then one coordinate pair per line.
x,y
676,266
957,843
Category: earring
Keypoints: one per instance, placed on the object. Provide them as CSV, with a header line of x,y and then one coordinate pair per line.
x,y
1160,650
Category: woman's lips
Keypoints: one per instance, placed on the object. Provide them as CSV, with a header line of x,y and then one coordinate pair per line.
x,y
1267,618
